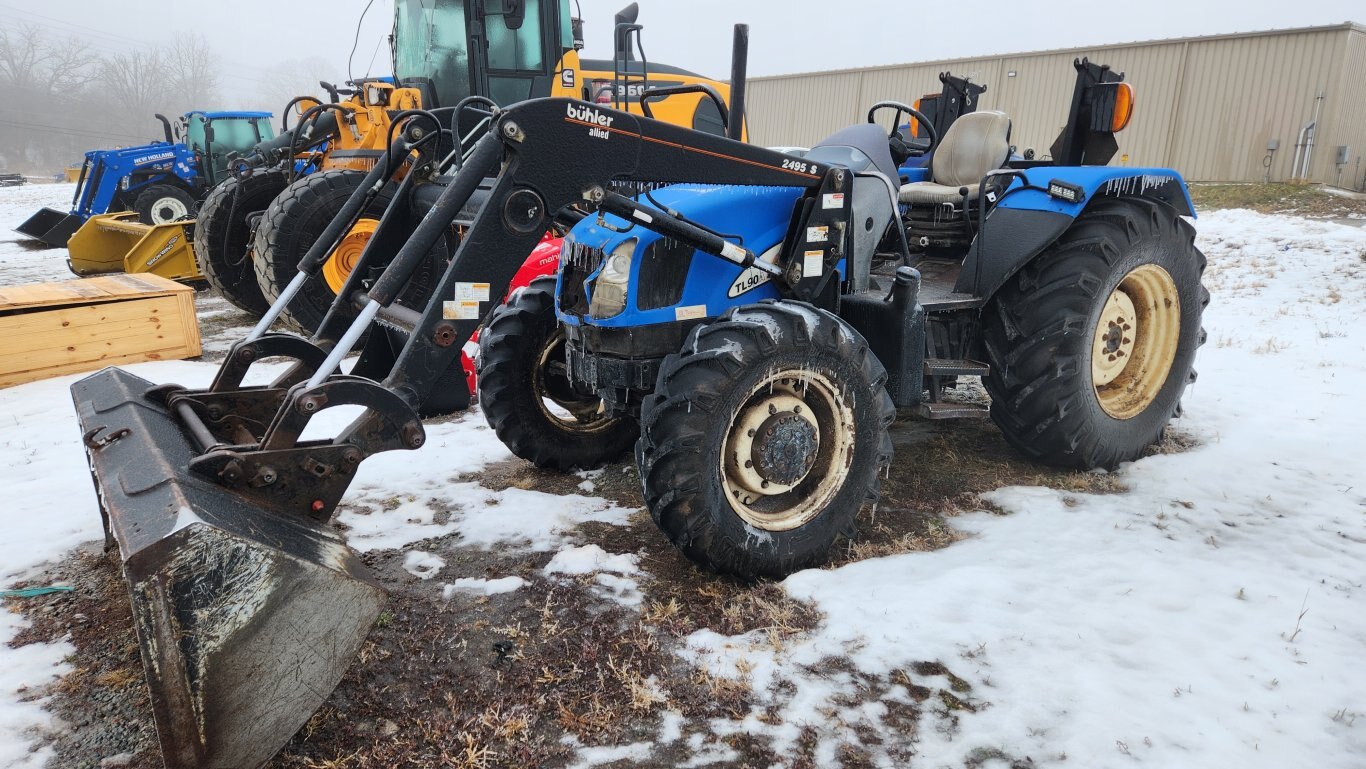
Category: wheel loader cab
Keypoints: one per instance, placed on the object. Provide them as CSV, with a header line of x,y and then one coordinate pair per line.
x,y
508,50
514,50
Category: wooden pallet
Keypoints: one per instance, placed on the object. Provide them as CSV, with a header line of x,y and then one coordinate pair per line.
x,y
49,329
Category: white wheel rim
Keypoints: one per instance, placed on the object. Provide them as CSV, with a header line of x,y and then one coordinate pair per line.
x,y
169,209
807,408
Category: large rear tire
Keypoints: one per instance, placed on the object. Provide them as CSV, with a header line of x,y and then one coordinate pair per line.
x,y
163,204
296,219
223,237
764,438
1092,344
527,397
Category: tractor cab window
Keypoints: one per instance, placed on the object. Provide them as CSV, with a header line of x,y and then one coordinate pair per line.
x,y
516,56
237,135
194,133
430,43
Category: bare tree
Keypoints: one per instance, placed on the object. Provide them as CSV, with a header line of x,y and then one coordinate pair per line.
x,y
135,85
42,83
33,65
192,71
296,77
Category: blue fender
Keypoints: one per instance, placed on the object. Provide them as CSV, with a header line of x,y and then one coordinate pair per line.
x,y
1027,219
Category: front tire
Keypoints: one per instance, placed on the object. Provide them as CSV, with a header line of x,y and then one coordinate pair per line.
x,y
163,204
526,394
296,219
1092,344
223,235
764,438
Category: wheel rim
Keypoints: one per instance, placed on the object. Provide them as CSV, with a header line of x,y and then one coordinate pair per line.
x,y
344,259
166,210
1135,341
787,450
556,397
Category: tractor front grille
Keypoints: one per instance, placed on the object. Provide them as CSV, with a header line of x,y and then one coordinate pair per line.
x,y
663,274
577,262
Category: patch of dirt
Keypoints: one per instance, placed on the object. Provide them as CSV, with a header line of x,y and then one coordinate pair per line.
x,y
522,678
103,704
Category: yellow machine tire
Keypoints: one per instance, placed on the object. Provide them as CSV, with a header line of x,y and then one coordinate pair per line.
x,y
295,220
1122,282
223,237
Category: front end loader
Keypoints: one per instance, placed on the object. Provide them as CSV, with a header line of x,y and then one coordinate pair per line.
x,y
160,181
247,606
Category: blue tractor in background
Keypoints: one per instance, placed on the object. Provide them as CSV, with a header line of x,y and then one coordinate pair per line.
x,y
162,181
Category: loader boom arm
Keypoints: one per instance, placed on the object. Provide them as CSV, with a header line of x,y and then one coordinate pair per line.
x,y
544,155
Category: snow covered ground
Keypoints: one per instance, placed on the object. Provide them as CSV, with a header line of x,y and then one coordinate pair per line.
x,y
1213,615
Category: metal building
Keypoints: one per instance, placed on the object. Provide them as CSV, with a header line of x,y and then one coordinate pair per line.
x,y
1271,105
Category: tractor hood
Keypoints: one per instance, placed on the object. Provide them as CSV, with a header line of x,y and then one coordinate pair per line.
x,y
143,155
684,283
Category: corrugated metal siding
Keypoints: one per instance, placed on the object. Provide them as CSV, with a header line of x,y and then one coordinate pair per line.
x,y
1206,106
1240,93
1348,126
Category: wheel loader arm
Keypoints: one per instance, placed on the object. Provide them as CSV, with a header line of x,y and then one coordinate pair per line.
x,y
549,154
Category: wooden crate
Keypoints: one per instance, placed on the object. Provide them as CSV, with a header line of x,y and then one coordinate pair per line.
x,y
49,329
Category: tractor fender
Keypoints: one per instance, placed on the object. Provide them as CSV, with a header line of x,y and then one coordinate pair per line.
x,y
1028,220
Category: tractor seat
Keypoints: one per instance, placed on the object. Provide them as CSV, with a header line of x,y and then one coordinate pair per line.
x,y
975,144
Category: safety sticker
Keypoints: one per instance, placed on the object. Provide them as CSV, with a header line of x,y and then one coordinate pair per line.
x,y
476,292
817,234
832,200
813,263
691,312
460,310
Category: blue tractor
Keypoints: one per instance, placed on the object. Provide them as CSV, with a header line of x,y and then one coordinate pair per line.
x,y
748,321
162,181
754,343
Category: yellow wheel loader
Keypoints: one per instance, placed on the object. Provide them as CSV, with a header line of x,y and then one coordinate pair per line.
x,y
529,51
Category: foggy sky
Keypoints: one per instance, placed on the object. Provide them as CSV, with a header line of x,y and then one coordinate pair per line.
x,y
786,35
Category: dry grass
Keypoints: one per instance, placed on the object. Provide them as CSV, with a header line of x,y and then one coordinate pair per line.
x,y
1281,198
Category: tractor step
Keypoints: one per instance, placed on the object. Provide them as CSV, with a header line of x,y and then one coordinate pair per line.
x,y
943,410
955,367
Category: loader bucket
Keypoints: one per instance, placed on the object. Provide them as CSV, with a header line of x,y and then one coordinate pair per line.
x,y
247,618
120,243
51,226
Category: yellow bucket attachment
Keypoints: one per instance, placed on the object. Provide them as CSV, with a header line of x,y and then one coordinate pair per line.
x,y
120,243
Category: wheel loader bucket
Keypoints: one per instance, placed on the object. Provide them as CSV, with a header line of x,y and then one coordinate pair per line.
x,y
51,226
120,243
247,618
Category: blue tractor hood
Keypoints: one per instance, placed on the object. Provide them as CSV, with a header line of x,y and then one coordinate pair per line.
x,y
755,217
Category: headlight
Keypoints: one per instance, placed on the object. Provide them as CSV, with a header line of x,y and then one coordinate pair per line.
x,y
610,289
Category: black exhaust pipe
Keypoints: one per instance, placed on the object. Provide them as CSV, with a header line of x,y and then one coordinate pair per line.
x,y
739,62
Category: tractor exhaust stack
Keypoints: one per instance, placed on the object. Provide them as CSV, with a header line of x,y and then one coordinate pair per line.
x,y
739,65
